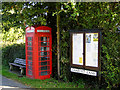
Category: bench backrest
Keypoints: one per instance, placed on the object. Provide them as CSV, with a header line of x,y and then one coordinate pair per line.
x,y
20,61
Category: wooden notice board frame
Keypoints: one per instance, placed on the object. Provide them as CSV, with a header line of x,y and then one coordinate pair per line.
x,y
85,69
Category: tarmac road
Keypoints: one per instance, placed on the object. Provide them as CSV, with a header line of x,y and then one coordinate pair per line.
x,y
8,83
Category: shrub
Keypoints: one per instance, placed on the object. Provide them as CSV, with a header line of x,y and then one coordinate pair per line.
x,y
10,52
111,59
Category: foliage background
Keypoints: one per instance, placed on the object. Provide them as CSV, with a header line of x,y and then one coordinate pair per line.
x,y
80,15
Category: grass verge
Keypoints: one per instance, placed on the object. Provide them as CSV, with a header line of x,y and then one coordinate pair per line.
x,y
35,83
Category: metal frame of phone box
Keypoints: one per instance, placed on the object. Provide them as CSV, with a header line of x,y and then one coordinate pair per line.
x,y
35,33
93,71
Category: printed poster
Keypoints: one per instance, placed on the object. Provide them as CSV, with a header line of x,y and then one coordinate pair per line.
x,y
91,49
77,54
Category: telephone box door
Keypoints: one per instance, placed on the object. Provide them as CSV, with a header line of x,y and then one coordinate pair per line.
x,y
44,55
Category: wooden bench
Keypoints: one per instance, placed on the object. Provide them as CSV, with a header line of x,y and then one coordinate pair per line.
x,y
21,63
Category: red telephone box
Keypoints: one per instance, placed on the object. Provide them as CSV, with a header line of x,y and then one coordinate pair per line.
x,y
38,52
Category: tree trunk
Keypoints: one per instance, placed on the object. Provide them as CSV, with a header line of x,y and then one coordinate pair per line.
x,y
58,42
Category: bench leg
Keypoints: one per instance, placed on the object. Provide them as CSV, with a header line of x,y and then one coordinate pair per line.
x,y
22,71
11,67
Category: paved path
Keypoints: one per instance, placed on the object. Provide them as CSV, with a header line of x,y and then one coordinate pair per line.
x,y
8,83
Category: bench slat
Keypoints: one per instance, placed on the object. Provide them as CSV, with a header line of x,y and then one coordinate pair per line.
x,y
20,61
17,65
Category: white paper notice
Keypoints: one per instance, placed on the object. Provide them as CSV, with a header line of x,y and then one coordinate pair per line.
x,y
91,50
77,55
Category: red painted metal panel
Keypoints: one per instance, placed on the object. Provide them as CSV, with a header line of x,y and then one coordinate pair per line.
x,y
38,52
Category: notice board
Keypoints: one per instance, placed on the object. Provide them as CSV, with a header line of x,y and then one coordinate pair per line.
x,y
85,51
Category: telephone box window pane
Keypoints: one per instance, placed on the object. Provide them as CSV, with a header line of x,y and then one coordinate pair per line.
x,y
48,72
43,73
29,48
43,38
29,58
48,63
30,67
39,48
29,53
48,53
43,63
48,43
43,48
29,38
48,68
43,43
39,44
29,43
43,68
48,48
30,72
48,58
43,58
48,38
29,63
39,59
39,38
43,53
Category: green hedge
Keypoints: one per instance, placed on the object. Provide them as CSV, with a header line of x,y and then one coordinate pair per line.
x,y
110,57
10,52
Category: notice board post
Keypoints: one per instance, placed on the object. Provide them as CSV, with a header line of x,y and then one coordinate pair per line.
x,y
85,52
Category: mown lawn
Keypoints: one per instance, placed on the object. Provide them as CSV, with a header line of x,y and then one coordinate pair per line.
x,y
35,83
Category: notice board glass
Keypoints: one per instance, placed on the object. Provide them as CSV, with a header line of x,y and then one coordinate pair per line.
x,y
77,49
91,49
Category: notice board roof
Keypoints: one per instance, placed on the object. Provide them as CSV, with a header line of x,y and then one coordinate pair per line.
x,y
85,30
